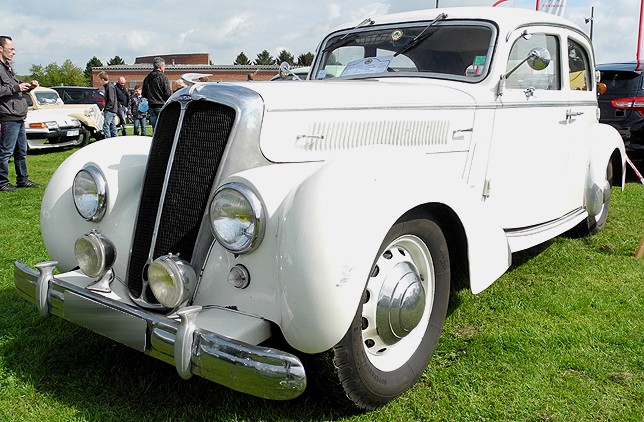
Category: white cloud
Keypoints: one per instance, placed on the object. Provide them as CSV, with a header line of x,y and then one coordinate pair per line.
x,y
56,30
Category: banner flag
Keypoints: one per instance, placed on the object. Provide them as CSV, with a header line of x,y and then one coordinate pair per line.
x,y
556,7
639,37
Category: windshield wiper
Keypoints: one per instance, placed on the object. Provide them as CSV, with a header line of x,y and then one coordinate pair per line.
x,y
346,39
422,36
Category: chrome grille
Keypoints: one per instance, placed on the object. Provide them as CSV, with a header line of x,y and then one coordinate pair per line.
x,y
202,140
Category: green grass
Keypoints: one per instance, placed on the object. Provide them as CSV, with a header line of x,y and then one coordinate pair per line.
x,y
560,337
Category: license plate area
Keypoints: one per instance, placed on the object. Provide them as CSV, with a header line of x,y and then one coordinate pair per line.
x,y
74,132
127,329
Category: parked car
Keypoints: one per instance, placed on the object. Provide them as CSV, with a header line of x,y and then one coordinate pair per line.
x,y
334,216
81,95
52,124
622,106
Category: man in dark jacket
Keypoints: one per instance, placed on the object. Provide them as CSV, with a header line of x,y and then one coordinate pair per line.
x,y
13,111
156,88
111,106
123,98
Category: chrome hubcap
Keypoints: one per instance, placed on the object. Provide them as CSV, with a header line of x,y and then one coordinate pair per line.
x,y
398,303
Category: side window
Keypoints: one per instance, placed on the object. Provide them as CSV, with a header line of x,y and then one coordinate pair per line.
x,y
579,69
526,77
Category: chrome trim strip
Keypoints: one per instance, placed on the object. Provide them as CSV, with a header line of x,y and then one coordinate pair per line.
x,y
260,371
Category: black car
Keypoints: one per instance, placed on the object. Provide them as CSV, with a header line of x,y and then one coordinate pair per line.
x,y
81,95
622,106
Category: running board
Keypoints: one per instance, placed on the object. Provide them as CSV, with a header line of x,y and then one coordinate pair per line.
x,y
527,237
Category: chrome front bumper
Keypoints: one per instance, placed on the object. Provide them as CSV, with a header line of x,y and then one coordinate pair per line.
x,y
182,342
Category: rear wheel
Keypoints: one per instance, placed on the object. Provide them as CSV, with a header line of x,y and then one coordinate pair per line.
x,y
396,328
596,219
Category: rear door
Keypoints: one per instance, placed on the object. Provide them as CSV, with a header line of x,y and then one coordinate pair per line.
x,y
527,172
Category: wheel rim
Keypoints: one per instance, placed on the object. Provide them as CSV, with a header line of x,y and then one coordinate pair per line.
x,y
398,303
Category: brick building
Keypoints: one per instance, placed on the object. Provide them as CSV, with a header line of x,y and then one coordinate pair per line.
x,y
177,65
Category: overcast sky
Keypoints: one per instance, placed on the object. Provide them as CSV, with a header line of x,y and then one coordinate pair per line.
x,y
47,31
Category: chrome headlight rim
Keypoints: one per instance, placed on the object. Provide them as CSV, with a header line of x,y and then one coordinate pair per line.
x,y
256,209
98,179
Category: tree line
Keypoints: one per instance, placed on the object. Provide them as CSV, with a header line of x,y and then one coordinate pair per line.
x,y
70,74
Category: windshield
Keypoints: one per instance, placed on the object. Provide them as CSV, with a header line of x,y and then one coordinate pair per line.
x,y
46,98
454,50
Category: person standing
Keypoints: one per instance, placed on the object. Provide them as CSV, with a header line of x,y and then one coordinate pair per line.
x,y
111,106
123,98
138,110
13,111
157,90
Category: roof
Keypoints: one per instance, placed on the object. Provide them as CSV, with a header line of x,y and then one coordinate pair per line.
x,y
506,18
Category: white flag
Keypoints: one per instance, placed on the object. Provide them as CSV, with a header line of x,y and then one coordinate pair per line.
x,y
556,7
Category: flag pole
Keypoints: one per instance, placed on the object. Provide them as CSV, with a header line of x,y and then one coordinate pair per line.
x,y
639,35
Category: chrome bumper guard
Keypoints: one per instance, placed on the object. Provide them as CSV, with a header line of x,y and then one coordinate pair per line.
x,y
260,371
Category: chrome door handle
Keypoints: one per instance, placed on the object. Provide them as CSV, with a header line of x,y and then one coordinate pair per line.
x,y
570,114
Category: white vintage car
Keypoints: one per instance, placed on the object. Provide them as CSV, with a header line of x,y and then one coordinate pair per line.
x,y
51,123
332,216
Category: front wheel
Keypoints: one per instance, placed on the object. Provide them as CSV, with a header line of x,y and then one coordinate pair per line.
x,y
396,327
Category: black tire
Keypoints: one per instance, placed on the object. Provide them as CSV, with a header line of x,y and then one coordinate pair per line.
x,y
84,136
594,223
372,365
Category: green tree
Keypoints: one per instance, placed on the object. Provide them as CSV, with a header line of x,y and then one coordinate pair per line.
x,y
115,61
54,75
71,74
241,59
285,56
93,62
305,59
264,58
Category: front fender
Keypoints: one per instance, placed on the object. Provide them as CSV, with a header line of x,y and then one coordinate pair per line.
x,y
333,224
122,161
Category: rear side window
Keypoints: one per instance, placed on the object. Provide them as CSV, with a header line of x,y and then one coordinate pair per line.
x,y
619,80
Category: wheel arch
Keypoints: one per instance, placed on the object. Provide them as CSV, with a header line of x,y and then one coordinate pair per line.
x,y
455,236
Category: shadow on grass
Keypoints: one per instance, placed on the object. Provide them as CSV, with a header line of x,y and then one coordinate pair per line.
x,y
104,380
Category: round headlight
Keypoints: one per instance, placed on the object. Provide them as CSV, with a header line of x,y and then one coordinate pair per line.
x,y
171,280
90,193
237,218
95,254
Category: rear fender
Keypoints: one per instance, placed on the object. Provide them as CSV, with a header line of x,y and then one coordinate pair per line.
x,y
606,144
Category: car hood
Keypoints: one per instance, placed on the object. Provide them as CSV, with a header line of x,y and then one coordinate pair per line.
x,y
315,120
62,118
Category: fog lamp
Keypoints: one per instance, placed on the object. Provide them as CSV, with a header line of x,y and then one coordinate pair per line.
x,y
171,280
95,254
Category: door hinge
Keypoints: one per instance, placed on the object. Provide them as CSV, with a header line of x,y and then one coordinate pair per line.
x,y
487,188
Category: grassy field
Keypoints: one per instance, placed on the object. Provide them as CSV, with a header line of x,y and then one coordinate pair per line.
x,y
560,337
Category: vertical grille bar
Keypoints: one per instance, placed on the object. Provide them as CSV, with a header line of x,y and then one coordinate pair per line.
x,y
204,133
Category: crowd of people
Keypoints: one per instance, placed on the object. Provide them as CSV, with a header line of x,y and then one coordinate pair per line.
x,y
141,104
120,105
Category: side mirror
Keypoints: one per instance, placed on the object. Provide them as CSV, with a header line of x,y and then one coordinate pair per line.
x,y
285,72
538,59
